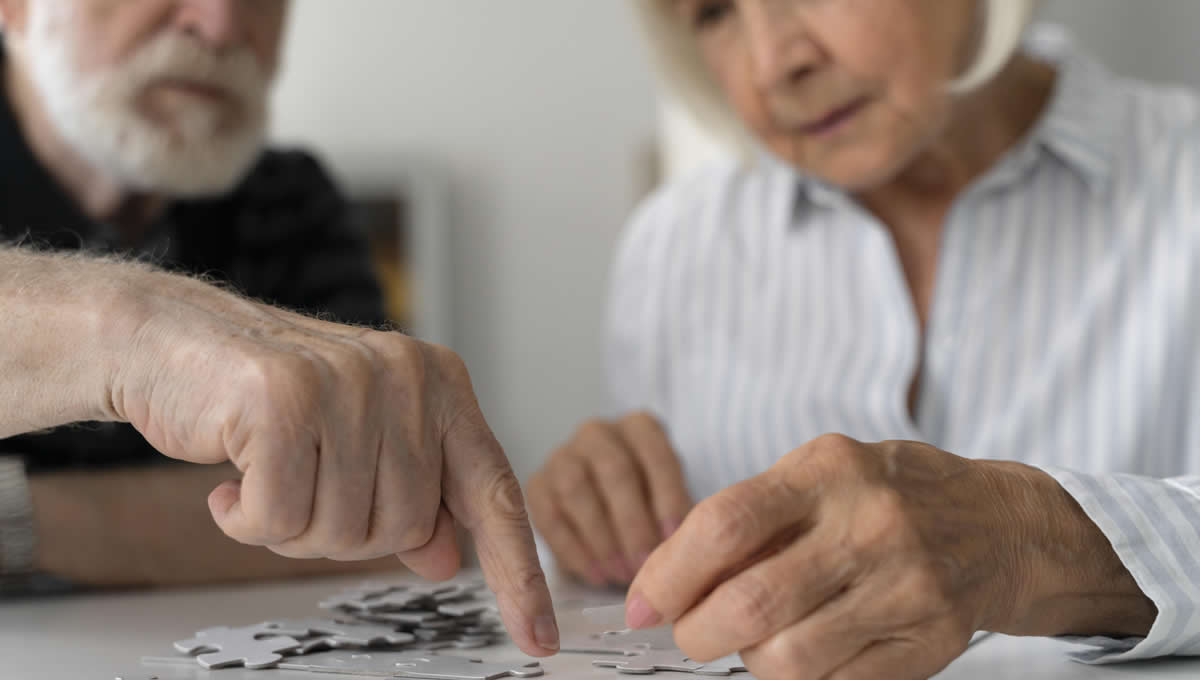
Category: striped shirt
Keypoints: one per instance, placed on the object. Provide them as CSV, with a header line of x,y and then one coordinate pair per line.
x,y
754,309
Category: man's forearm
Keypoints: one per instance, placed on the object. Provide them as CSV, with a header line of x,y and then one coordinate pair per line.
x,y
61,332
151,526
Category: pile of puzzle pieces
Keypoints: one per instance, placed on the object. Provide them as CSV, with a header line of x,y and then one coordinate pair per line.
x,y
369,630
398,631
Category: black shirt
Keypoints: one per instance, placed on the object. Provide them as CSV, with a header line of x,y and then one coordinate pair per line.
x,y
281,237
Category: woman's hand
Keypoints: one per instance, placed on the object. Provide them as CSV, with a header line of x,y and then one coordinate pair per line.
x,y
609,497
851,560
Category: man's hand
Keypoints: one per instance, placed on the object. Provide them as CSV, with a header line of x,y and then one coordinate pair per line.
x,y
352,443
607,498
849,560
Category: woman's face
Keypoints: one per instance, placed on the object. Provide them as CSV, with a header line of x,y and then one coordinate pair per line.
x,y
848,90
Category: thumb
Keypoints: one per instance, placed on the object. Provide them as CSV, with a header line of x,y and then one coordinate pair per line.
x,y
438,559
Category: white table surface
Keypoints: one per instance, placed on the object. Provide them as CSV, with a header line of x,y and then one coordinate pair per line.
x,y
101,637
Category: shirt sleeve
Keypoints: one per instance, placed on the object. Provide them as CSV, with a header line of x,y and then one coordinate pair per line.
x,y
1153,523
1154,527
635,352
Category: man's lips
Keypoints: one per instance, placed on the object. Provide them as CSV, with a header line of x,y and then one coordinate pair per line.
x,y
194,88
835,118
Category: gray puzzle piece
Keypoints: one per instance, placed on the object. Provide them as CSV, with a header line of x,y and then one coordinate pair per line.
x,y
175,672
653,638
594,643
625,642
673,660
650,662
724,666
352,597
422,597
411,665
405,618
257,646
338,634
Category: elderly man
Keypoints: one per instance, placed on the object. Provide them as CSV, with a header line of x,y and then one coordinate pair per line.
x,y
133,129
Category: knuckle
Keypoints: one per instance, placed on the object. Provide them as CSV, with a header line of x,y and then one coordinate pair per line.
x,y
884,520
832,452
787,653
618,471
504,498
592,431
278,373
528,580
405,358
642,419
752,605
572,479
728,519
449,363
833,443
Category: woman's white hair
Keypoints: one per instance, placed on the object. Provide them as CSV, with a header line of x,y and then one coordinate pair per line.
x,y
684,76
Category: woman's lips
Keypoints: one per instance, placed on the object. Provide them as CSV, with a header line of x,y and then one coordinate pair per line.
x,y
835,118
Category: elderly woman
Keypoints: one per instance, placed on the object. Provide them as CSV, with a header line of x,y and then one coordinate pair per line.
x,y
937,235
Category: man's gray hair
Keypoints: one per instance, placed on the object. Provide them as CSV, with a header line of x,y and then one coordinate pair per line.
x,y
684,77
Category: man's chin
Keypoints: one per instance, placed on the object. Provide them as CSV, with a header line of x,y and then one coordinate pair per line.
x,y
187,173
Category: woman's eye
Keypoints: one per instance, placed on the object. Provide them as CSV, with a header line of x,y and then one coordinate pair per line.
x,y
710,13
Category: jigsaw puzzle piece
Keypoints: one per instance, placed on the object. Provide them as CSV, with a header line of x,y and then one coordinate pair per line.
x,y
411,665
352,598
259,646
338,634
653,638
724,666
651,662
595,643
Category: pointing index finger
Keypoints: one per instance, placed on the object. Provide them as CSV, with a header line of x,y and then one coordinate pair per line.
x,y
484,495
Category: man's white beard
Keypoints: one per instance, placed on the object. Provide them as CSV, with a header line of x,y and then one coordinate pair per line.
x,y
95,113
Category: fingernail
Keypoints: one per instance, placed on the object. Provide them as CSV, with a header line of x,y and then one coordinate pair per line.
x,y
670,526
545,631
639,613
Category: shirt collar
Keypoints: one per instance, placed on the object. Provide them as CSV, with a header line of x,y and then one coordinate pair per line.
x,y
1081,126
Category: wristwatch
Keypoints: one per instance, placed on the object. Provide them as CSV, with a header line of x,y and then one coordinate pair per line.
x,y
16,519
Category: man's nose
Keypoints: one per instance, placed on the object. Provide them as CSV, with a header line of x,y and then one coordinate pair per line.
x,y
216,22
780,44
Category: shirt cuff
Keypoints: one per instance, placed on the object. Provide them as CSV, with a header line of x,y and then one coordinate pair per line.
x,y
1152,525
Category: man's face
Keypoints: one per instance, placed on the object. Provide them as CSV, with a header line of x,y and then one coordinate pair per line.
x,y
167,96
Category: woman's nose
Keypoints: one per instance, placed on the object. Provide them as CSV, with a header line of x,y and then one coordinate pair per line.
x,y
780,43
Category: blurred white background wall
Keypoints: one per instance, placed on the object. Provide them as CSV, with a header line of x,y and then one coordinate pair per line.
x,y
538,112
